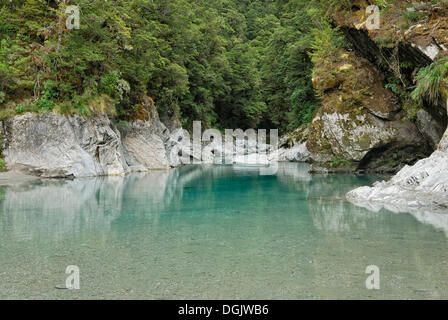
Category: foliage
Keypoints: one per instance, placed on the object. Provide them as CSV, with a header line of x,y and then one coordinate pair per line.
x,y
2,165
432,82
412,16
122,124
287,68
339,162
20,108
325,40
48,94
228,63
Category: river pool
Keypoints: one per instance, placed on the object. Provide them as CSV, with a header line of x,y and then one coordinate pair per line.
x,y
214,232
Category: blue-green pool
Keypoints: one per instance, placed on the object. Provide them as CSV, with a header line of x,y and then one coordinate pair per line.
x,y
213,232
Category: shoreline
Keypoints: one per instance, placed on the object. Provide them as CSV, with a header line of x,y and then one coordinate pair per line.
x,y
10,178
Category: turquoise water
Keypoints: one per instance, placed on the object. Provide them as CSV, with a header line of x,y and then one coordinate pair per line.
x,y
214,232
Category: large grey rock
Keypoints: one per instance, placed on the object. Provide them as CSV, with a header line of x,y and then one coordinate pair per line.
x,y
53,145
429,127
297,153
360,125
353,138
179,148
424,184
144,146
443,145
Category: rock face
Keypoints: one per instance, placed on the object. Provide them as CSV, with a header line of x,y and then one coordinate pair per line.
x,y
53,145
144,146
292,147
431,129
359,126
297,153
423,185
58,146
179,148
363,123
414,45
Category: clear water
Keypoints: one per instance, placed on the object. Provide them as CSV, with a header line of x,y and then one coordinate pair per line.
x,y
217,232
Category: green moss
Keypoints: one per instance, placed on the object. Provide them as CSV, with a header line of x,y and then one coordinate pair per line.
x,y
5,114
364,141
413,17
299,135
315,143
122,124
345,141
2,165
411,108
339,162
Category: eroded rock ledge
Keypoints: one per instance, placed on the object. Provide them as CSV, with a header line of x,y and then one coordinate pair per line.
x,y
423,185
54,146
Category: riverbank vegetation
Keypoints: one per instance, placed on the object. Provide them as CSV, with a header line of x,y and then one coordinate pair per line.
x,y
228,63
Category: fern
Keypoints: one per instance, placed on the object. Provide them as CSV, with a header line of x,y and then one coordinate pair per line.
x,y
432,82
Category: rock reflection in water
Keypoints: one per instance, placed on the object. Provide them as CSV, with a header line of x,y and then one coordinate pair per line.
x,y
214,232
58,207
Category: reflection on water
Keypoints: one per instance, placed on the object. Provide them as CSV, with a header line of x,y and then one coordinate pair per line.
x,y
438,219
215,232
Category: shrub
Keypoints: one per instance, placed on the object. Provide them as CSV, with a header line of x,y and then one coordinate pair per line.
x,y
45,104
114,86
326,39
2,165
20,108
122,124
2,97
48,93
432,82
80,106
109,83
412,16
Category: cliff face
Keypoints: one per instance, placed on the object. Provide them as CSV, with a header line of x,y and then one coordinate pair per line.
x,y
54,145
410,36
423,185
367,121
359,126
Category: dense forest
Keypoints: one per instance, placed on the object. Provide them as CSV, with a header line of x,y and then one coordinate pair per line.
x,y
228,63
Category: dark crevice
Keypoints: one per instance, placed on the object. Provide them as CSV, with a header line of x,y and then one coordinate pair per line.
x,y
381,118
391,158
368,49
